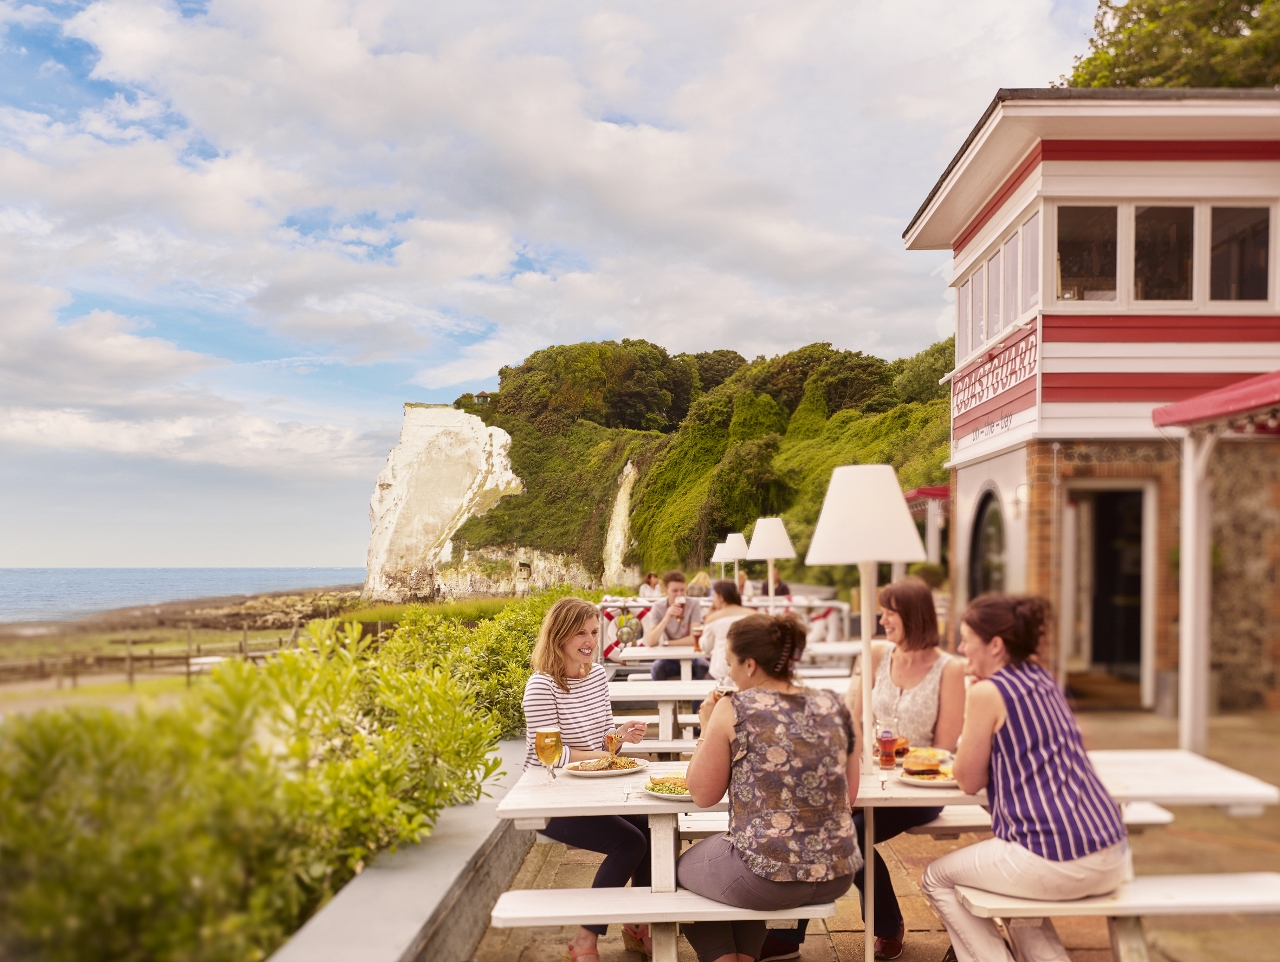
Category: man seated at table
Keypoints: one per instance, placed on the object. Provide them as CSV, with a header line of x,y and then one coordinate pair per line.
x,y
670,622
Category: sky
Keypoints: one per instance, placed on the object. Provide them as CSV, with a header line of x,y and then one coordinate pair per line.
x,y
236,236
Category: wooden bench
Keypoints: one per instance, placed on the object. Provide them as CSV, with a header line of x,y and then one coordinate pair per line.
x,y
952,823
632,905
822,671
650,720
955,820
1244,893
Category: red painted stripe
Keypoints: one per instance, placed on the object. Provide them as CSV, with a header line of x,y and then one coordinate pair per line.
x,y
1018,398
1102,150
1160,149
1012,183
1132,387
1149,328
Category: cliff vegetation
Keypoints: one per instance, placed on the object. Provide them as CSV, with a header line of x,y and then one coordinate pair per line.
x,y
718,441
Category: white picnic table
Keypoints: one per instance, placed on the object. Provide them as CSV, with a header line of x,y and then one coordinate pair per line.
x,y
685,654
834,649
668,694
533,800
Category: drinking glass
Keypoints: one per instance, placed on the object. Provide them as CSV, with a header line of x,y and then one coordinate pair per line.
x,y
887,742
548,747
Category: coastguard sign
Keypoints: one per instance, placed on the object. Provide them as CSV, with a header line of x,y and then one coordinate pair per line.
x,y
1014,364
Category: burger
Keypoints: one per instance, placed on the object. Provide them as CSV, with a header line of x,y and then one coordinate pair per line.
x,y
924,761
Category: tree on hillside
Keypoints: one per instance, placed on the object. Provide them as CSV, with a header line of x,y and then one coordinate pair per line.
x,y
715,367
627,384
917,377
1182,43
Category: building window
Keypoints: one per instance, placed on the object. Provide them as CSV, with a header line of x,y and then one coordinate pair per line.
x,y
1162,253
1010,300
1238,261
1087,253
993,297
975,310
962,322
1031,263
986,552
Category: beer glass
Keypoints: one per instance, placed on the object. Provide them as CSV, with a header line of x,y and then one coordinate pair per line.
x,y
887,742
548,747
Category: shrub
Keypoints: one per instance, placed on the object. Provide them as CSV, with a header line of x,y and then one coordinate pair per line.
x,y
492,659
213,829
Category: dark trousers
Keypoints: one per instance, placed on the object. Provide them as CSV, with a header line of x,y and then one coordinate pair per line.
x,y
890,823
623,840
666,669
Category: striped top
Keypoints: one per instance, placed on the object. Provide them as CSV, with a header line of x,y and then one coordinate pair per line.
x,y
1044,793
583,712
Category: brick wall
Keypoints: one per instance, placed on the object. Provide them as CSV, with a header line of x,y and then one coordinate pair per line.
x,y
1105,459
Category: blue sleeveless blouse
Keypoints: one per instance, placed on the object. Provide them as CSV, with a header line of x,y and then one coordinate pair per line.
x,y
1043,791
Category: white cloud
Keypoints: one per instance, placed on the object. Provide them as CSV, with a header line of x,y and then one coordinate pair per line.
x,y
449,187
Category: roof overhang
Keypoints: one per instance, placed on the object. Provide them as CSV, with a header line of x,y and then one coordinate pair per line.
x,y
1018,119
1257,396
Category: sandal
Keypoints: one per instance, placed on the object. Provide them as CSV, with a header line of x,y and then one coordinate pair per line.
x,y
891,948
573,955
637,939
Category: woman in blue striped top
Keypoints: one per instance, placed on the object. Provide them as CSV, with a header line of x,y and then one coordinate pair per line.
x,y
1058,834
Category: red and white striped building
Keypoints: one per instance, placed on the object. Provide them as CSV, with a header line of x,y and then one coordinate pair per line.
x,y
1112,253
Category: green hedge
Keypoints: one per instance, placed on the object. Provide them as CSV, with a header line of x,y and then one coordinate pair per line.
x,y
492,659
212,829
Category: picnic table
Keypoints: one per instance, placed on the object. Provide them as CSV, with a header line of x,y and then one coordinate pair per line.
x,y
668,694
685,654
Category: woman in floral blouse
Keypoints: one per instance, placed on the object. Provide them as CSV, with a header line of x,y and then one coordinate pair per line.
x,y
786,755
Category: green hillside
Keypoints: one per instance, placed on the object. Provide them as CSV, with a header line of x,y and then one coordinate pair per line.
x,y
718,442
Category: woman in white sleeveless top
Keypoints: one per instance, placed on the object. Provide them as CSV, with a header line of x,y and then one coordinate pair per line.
x,y
922,687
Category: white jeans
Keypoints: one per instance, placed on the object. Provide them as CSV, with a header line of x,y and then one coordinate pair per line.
x,y
1006,868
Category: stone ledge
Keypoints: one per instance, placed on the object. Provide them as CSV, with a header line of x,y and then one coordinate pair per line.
x,y
426,901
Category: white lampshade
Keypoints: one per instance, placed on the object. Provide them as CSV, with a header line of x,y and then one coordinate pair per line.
x,y
718,554
864,518
770,540
735,547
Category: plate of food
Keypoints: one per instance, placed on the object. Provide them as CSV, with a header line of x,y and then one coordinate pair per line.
x,y
670,786
928,768
606,767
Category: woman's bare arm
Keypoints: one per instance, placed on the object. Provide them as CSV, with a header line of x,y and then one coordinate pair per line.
x,y
708,772
983,716
946,731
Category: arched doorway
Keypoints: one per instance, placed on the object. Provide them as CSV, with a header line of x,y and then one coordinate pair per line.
x,y
986,550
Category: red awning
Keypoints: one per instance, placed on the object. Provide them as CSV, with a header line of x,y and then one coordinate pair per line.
x,y
939,492
1240,398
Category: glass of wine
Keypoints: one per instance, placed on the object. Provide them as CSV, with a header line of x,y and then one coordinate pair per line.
x,y
548,747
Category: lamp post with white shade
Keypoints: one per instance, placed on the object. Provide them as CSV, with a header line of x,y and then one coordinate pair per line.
x,y
769,542
735,550
719,556
865,520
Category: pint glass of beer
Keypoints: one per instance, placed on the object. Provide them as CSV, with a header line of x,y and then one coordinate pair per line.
x,y
548,747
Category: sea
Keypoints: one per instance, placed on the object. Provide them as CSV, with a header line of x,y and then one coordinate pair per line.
x,y
64,594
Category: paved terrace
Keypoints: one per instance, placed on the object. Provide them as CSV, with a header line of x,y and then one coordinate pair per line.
x,y
1200,840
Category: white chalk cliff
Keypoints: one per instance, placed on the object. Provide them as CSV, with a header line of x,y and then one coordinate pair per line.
x,y
618,538
449,466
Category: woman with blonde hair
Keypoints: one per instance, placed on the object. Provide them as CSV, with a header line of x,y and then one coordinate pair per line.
x,y
569,691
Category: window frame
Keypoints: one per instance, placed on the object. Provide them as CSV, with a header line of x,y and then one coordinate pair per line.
x,y
1201,248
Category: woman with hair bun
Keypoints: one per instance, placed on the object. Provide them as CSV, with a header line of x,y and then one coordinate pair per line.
x,y
787,757
1058,834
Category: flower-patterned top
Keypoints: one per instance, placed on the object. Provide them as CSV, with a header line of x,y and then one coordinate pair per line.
x,y
789,814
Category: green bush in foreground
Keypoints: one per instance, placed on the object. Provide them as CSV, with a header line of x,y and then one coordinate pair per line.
x,y
213,829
